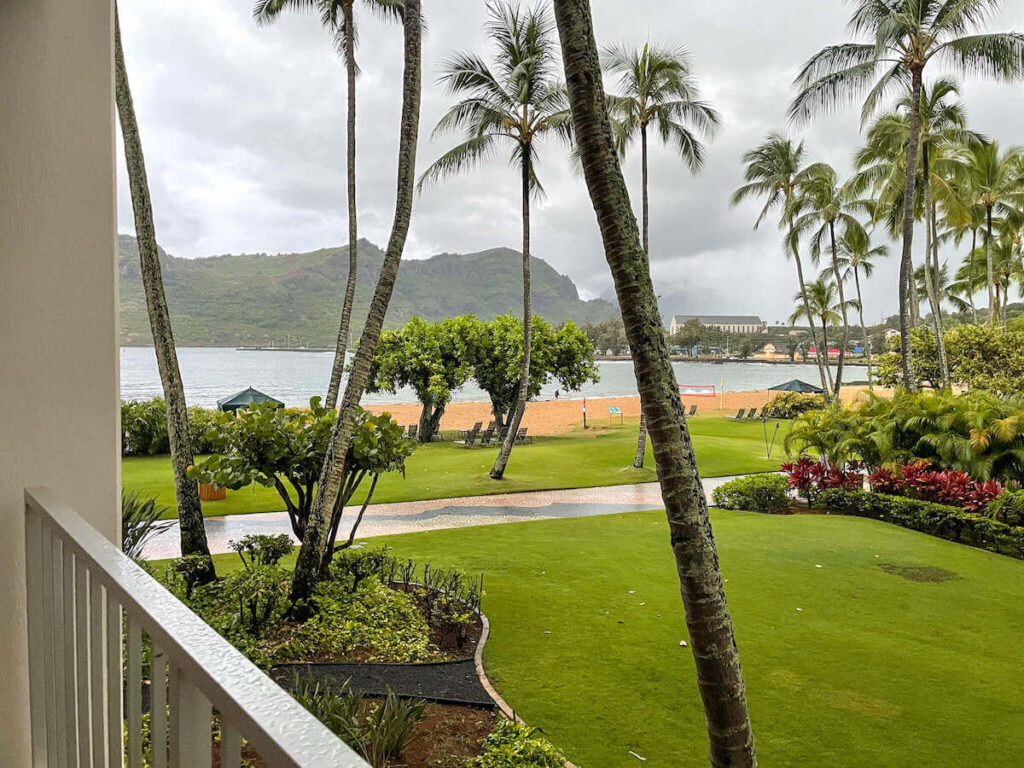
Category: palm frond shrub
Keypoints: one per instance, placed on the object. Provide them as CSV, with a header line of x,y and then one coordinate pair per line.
x,y
141,520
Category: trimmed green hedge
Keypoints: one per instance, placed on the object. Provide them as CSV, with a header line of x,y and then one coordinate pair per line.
x,y
936,519
754,493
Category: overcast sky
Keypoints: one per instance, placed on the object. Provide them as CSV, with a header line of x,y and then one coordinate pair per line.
x,y
243,130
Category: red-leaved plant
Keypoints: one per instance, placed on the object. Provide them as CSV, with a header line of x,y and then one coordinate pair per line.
x,y
809,478
918,481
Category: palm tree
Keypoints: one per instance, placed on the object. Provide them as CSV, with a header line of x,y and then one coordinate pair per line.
x,y
824,306
772,170
338,18
858,257
186,491
657,89
314,554
998,180
822,205
901,38
719,676
520,103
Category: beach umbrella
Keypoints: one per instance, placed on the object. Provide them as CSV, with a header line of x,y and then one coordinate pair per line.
x,y
245,398
796,385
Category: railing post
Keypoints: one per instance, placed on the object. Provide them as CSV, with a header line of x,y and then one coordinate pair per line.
x,y
36,659
191,732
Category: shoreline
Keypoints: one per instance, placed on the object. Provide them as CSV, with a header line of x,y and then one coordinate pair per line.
x,y
555,417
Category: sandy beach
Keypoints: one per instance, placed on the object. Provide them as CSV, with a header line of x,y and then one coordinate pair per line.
x,y
552,417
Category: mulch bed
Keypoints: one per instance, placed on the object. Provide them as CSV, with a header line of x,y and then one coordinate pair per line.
x,y
448,737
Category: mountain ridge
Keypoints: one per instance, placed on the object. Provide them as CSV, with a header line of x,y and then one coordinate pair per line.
x,y
252,299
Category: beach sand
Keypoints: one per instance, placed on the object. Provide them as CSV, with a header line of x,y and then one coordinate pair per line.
x,y
552,417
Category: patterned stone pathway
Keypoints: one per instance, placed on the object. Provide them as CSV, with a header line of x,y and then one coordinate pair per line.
x,y
437,514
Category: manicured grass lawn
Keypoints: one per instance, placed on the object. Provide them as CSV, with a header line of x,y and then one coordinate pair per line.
x,y
601,456
875,670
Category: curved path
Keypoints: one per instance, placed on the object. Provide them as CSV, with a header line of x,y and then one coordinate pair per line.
x,y
437,514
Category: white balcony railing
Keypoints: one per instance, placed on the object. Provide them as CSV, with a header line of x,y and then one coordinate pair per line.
x,y
80,589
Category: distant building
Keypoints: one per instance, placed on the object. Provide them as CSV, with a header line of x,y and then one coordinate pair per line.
x,y
891,333
776,352
726,323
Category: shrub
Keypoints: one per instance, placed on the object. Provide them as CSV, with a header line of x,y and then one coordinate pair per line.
x,y
144,427
918,481
1008,508
936,519
789,405
756,493
140,521
261,549
810,478
513,745
204,428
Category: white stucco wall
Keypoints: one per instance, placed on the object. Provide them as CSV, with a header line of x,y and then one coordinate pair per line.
x,y
58,354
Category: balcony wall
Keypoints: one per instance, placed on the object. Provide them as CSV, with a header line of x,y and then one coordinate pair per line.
x,y
58,355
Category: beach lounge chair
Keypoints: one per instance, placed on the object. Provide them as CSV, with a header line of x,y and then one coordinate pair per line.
x,y
471,437
414,431
739,416
487,436
752,414
492,425
693,412
464,433
522,437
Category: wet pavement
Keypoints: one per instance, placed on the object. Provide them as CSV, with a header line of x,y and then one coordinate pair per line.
x,y
437,514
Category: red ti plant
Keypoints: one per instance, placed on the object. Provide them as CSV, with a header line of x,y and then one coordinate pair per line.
x,y
803,476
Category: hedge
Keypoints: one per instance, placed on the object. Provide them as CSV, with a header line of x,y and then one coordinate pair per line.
x,y
935,519
767,493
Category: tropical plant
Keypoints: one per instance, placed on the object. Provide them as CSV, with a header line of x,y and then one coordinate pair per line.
x,y
520,102
824,307
317,543
757,493
822,205
716,658
338,18
141,520
433,359
900,39
514,745
772,171
857,257
190,511
261,549
657,90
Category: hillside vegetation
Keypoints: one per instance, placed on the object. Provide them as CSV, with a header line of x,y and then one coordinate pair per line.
x,y
250,299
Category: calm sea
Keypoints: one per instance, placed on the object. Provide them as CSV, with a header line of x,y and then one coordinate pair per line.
x,y
212,373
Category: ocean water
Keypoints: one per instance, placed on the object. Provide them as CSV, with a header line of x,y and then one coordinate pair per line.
x,y
212,373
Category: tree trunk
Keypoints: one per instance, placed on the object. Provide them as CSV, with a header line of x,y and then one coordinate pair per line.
x,y
641,440
341,346
970,274
863,327
993,310
930,275
720,679
936,289
186,491
313,550
906,258
822,361
430,421
842,305
498,470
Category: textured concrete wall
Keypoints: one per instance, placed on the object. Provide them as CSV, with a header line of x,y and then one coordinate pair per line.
x,y
58,280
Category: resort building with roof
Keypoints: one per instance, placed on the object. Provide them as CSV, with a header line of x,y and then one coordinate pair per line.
x,y
726,323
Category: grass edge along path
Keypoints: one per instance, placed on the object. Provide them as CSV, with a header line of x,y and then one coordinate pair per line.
x,y
601,456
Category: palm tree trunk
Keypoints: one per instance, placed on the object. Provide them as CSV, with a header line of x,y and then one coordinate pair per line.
x,y
498,470
842,306
826,376
641,440
720,678
341,346
993,309
313,553
930,275
906,258
970,274
863,327
940,333
186,491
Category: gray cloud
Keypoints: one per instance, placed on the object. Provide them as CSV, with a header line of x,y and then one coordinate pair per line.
x,y
243,129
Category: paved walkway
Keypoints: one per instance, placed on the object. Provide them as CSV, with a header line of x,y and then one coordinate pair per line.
x,y
437,514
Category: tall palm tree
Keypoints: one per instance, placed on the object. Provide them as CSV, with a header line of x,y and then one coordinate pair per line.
x,y
823,205
338,18
998,180
186,491
823,306
858,257
719,676
968,216
314,554
519,103
900,38
657,90
772,170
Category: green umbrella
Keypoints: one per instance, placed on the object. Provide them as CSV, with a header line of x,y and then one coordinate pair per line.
x,y
796,385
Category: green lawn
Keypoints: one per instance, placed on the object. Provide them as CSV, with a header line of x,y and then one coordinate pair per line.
x,y
875,670
601,456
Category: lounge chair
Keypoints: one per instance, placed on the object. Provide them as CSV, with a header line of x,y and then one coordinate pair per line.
x,y
464,433
492,425
752,414
522,437
486,436
470,438
739,416
414,431
693,412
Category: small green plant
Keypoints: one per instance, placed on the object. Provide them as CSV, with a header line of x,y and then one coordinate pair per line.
x,y
789,405
191,570
262,595
513,745
140,522
756,493
261,549
1008,508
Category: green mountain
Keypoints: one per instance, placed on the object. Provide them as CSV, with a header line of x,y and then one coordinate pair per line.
x,y
251,299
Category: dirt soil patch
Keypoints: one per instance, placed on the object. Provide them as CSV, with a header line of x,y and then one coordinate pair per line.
x,y
448,737
921,573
